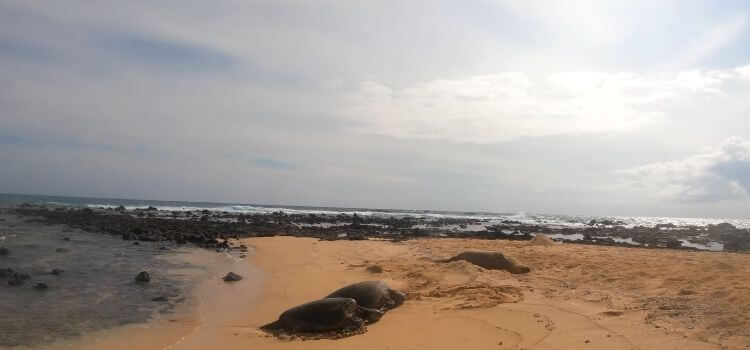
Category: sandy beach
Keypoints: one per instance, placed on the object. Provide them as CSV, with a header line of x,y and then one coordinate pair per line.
x,y
575,297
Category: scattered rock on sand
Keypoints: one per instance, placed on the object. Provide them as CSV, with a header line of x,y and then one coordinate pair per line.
x,y
491,261
541,240
232,277
142,277
374,269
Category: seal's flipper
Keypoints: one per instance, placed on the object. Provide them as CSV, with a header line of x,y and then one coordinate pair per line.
x,y
273,326
370,315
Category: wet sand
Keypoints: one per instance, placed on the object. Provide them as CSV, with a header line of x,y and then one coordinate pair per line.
x,y
576,297
208,308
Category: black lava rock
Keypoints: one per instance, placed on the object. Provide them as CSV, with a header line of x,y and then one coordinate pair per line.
x,y
232,277
142,277
673,243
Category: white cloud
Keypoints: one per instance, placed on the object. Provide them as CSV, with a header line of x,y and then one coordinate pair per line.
x,y
511,105
721,173
744,72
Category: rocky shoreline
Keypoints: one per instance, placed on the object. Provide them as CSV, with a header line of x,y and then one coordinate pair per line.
x,y
214,229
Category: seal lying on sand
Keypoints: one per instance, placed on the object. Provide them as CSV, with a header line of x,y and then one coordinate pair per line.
x,y
371,295
340,315
490,261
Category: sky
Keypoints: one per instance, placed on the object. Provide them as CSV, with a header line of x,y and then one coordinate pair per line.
x,y
582,107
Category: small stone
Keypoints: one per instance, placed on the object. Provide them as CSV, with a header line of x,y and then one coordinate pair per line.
x,y
232,277
160,298
374,269
57,271
41,286
587,341
136,243
61,250
142,277
66,239
4,251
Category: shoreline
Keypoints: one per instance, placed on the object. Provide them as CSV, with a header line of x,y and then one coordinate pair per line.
x,y
212,229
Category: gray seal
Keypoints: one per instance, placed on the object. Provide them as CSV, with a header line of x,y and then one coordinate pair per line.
x,y
372,295
325,315
491,261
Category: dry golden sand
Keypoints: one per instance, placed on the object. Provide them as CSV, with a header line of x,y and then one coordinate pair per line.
x,y
576,297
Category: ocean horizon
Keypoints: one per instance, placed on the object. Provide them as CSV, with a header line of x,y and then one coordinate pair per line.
x,y
551,220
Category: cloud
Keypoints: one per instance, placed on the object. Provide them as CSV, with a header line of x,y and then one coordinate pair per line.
x,y
506,106
18,50
166,53
275,164
721,173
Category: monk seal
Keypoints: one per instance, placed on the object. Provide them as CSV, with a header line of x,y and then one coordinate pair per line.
x,y
325,315
372,295
491,261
